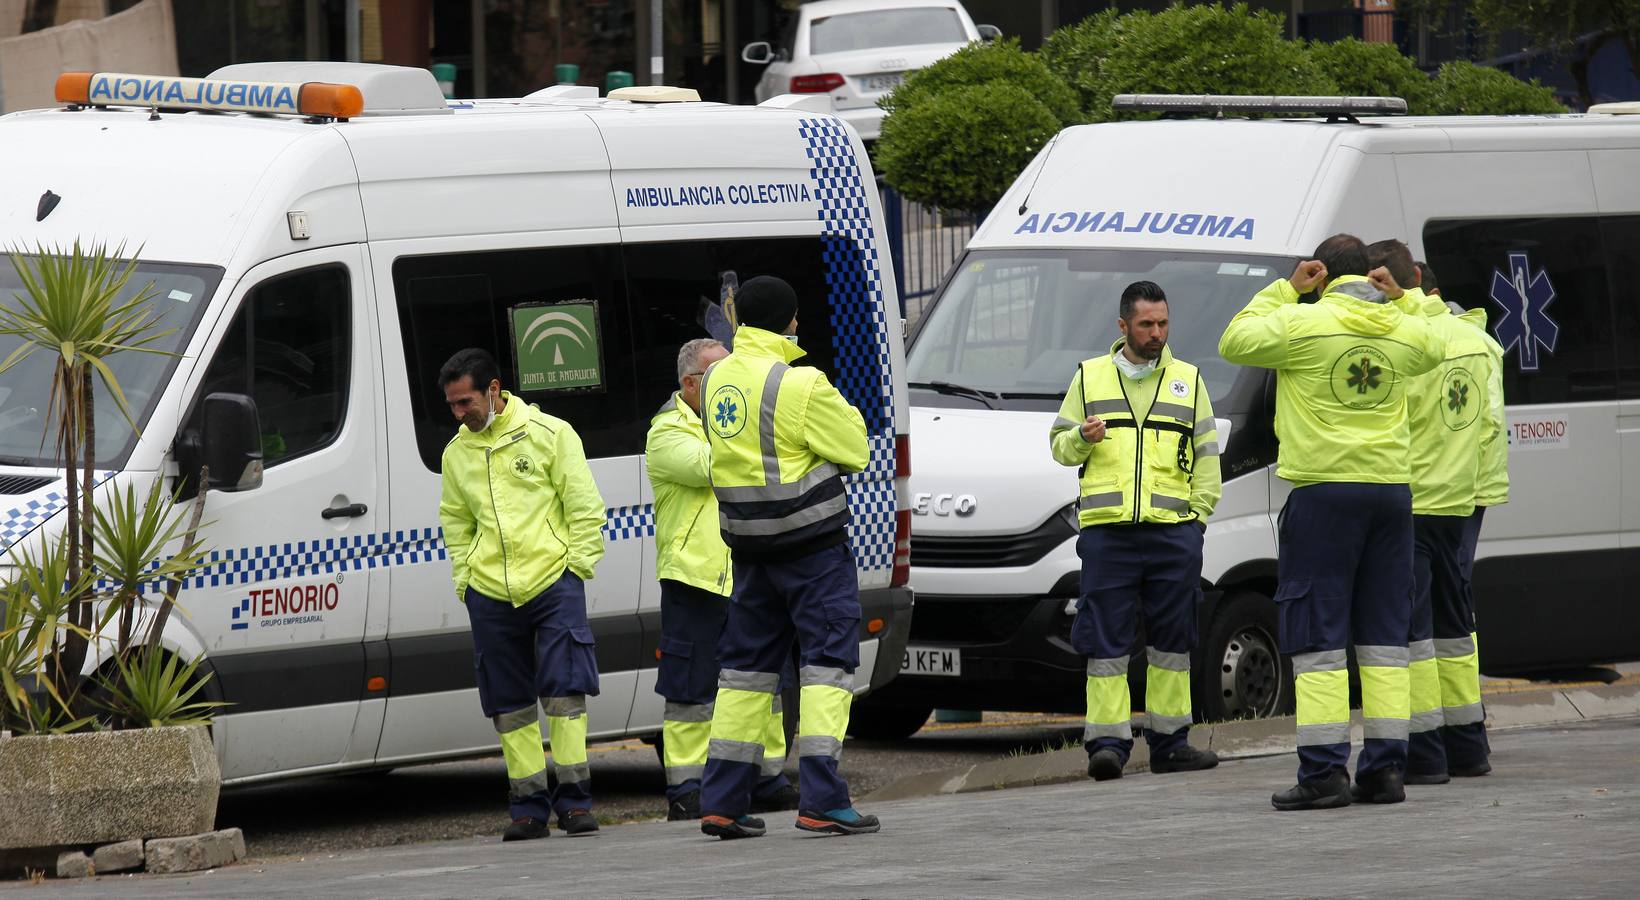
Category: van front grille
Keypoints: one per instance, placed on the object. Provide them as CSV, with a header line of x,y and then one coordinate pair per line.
x,y
990,551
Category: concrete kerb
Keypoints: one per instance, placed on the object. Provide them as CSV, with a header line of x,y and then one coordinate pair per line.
x,y
1260,737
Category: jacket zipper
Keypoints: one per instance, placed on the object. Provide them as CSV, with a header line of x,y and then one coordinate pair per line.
x,y
1139,438
489,479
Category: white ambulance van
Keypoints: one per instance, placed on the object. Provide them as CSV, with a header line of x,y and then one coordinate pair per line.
x,y
1534,219
318,263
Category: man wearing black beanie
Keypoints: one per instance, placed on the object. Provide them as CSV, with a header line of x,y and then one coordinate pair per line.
x,y
781,439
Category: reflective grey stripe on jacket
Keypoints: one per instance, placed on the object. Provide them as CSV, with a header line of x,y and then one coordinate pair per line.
x,y
737,512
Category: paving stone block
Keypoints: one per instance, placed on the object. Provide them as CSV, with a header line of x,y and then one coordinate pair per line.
x,y
211,850
122,857
73,864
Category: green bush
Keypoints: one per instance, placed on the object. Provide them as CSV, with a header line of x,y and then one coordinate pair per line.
x,y
1077,53
962,148
984,63
1362,69
1465,89
1203,50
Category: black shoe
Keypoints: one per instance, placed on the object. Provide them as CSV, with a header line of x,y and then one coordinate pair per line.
x,y
1382,786
1426,778
728,829
783,799
526,829
1104,765
577,821
837,821
1184,759
1331,792
684,808
1474,771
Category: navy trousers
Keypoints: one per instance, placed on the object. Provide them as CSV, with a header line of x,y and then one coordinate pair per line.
x,y
1345,573
813,601
543,651
1466,744
1129,573
1441,596
692,622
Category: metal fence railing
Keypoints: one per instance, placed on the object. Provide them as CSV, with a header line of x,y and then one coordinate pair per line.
x,y
924,244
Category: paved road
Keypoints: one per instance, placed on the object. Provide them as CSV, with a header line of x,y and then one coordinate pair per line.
x,y
1559,817
318,816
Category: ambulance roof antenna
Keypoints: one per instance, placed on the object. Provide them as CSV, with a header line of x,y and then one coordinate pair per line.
x,y
1026,200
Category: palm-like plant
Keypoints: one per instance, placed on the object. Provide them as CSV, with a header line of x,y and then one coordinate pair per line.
x,y
38,607
131,540
70,306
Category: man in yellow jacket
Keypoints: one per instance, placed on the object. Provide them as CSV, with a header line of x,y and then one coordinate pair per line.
x,y
523,525
782,437
692,563
1345,560
1139,426
1457,657
1449,414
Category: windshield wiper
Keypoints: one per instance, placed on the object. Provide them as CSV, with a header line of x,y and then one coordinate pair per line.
x,y
958,390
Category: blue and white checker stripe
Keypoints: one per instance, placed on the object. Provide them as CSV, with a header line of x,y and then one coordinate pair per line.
x,y
18,522
854,280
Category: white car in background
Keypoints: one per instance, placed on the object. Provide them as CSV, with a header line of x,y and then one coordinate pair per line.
x,y
859,50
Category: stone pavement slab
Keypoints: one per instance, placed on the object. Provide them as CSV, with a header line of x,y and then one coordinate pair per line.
x,y
1559,817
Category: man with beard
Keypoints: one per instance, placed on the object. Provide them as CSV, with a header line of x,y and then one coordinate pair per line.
x,y
1139,425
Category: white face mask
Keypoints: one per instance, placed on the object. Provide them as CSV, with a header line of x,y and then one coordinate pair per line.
x,y
489,419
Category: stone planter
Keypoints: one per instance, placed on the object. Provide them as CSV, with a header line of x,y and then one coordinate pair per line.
x,y
103,787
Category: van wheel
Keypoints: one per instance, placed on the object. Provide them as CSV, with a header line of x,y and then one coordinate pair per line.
x,y
1244,674
887,723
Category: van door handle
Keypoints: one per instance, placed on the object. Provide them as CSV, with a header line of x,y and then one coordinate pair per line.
x,y
350,511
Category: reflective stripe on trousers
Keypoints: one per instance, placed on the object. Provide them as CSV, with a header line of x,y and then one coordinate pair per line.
x,y
1109,703
1321,685
1424,675
1386,691
1458,663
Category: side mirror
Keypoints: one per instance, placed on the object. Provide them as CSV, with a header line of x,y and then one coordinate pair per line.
x,y
757,53
988,32
226,436
232,442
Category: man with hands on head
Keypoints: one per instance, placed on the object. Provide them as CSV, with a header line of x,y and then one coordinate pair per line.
x,y
1345,560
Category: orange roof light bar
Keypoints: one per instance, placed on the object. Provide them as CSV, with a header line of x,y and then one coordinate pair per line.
x,y
316,98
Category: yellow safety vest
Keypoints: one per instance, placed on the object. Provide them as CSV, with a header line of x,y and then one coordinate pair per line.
x,y
688,546
1144,469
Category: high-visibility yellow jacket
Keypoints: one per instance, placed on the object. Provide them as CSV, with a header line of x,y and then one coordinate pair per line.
x,y
1159,459
519,505
688,545
1448,414
781,438
1343,363
1493,486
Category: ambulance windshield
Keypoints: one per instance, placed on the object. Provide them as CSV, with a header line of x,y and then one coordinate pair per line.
x,y
1014,324
180,294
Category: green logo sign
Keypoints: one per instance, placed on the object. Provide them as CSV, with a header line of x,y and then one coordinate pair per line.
x,y
1363,377
556,346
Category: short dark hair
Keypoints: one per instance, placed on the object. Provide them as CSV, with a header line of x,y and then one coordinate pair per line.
x,y
1394,256
471,362
1140,290
1429,284
1343,254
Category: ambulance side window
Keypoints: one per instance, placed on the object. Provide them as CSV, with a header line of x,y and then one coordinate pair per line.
x,y
672,285
452,301
288,349
1621,236
1545,288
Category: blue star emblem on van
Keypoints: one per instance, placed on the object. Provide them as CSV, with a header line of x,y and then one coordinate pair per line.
x,y
1524,296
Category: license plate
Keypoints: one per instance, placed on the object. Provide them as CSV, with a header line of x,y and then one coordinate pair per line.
x,y
931,661
879,84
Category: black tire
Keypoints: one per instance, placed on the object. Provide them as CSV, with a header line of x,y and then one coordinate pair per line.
x,y
1243,674
874,722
